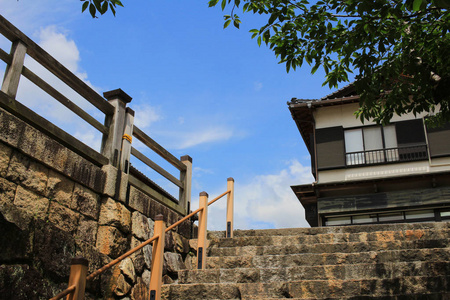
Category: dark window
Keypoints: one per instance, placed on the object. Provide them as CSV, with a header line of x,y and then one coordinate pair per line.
x,y
439,141
330,148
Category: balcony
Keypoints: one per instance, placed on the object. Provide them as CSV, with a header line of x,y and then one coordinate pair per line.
x,y
391,155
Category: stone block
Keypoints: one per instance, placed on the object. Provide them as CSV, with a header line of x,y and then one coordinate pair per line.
x,y
28,173
173,262
7,191
146,277
63,217
110,180
11,128
139,291
126,267
181,244
110,241
86,201
113,213
31,203
5,156
87,231
60,189
139,201
122,287
141,226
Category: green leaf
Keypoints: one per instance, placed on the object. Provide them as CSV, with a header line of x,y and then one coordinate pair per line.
x,y
236,23
104,7
224,3
111,6
85,5
259,41
227,22
213,3
417,4
92,10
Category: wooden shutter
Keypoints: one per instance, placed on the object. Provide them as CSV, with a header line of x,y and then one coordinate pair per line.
x,y
410,133
330,148
439,140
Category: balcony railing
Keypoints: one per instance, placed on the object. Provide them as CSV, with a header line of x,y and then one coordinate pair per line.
x,y
381,156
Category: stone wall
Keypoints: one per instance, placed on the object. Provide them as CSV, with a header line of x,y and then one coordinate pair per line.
x,y
56,205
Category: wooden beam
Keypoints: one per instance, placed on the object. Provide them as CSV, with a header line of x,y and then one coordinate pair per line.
x,y
50,129
14,70
149,142
156,167
63,100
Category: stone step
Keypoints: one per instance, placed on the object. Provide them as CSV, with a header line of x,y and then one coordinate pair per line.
x,y
333,229
350,247
428,296
313,289
306,259
328,272
333,238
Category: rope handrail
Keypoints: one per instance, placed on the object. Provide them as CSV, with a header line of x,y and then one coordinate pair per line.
x,y
64,293
120,258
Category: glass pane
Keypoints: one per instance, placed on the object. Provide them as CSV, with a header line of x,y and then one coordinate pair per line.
x,y
338,221
364,219
354,143
372,138
419,214
390,137
391,217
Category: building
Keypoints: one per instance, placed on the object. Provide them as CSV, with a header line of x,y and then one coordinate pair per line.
x,y
367,173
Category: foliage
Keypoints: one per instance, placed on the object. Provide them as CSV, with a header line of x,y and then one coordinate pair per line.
x,y
100,6
398,49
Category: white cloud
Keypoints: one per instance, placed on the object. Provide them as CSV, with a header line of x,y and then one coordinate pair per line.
x,y
146,115
267,201
202,136
257,86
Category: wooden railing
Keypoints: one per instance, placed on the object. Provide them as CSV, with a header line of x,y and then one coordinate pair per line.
x,y
78,270
118,128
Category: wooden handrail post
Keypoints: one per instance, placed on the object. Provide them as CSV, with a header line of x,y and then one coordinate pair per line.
x,y
157,259
186,178
230,207
14,70
112,143
126,141
202,225
78,273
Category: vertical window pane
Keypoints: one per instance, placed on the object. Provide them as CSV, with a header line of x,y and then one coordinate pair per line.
x,y
373,140
390,142
354,143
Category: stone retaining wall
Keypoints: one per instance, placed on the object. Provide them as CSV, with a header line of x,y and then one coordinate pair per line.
x,y
56,205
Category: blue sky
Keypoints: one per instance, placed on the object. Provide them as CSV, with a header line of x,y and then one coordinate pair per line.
x,y
197,89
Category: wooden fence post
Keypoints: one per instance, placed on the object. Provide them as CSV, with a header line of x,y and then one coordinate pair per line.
x,y
112,144
202,226
230,207
126,141
78,273
157,259
14,70
186,178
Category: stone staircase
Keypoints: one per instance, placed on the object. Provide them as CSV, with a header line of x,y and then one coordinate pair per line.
x,y
395,261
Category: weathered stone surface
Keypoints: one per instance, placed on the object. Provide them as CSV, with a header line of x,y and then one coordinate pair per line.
x,y
141,226
115,214
127,268
140,201
7,191
110,180
147,252
139,291
31,203
146,275
60,189
22,282
86,201
63,217
28,173
143,257
110,241
11,128
173,262
5,155
87,231
181,244
122,286
16,243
